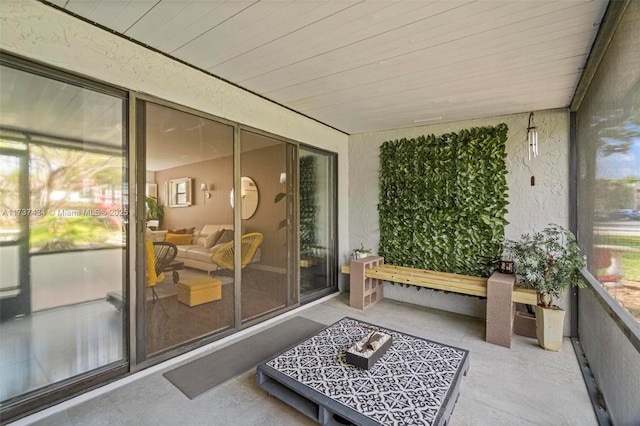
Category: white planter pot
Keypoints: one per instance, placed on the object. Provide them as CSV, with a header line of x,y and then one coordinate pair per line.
x,y
549,326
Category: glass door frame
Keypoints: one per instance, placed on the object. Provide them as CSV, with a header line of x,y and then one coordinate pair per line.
x,y
68,388
137,226
139,359
332,264
293,235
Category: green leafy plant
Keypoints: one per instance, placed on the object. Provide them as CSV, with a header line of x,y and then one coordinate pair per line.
x,y
361,252
155,211
548,261
443,201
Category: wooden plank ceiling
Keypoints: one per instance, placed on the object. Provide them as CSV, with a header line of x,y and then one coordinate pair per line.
x,y
362,66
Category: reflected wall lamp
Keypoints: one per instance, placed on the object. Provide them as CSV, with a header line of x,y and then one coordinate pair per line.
x,y
532,137
205,190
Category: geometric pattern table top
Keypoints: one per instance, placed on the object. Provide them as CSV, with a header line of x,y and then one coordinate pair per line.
x,y
411,384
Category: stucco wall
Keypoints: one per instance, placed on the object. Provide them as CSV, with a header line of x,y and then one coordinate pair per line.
x,y
36,31
530,207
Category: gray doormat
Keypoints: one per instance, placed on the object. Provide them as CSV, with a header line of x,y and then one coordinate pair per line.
x,y
204,373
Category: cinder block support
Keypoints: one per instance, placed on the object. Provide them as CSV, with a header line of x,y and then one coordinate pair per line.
x,y
500,309
524,324
356,284
363,291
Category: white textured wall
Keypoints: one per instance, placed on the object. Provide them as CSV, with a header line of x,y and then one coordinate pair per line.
x,y
39,32
530,208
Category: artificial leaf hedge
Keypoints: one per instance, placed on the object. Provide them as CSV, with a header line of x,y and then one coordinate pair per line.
x,y
308,203
443,201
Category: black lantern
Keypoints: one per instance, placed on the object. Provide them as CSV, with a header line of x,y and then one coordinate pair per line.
x,y
505,266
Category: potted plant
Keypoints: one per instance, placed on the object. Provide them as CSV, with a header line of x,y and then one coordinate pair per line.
x,y
155,211
549,262
361,253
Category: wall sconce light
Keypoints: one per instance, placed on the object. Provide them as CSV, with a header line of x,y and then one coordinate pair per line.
x,y
283,178
205,190
532,138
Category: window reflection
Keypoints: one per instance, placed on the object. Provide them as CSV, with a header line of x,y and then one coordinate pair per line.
x,y
317,223
616,241
267,278
609,175
189,296
76,199
63,189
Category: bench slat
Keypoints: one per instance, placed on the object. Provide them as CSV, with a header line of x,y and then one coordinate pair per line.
x,y
445,276
465,284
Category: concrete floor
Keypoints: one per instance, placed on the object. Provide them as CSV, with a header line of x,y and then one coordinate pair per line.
x,y
524,385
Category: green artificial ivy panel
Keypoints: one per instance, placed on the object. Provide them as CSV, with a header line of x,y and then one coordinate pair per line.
x,y
308,203
443,201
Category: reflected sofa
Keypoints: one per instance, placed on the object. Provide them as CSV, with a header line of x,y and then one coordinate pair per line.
x,y
195,250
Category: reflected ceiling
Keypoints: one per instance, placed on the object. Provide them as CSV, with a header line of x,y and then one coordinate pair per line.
x,y
176,138
38,105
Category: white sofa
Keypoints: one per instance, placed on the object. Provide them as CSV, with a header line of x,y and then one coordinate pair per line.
x,y
198,254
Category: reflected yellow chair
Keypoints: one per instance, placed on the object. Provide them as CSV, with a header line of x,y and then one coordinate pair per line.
x,y
159,256
223,257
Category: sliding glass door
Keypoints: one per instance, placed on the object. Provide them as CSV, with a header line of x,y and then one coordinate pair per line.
x,y
318,242
63,228
188,176
268,281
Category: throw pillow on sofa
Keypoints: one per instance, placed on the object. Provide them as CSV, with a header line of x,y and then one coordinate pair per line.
x,y
225,236
179,239
177,231
212,239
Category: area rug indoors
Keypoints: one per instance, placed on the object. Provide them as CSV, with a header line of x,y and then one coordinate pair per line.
x,y
202,374
170,323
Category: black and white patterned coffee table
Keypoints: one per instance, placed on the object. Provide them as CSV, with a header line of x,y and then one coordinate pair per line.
x,y
416,382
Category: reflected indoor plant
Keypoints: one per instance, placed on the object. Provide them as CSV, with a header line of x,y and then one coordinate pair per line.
x,y
155,211
549,262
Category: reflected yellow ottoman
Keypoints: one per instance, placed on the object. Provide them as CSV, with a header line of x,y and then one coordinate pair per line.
x,y
196,291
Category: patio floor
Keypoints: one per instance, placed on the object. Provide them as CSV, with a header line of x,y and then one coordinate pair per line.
x,y
524,385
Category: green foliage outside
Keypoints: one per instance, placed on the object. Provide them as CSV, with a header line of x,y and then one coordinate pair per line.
x,y
54,233
614,194
74,195
631,266
443,201
630,261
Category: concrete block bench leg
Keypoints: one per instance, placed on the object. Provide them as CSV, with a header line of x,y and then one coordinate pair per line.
x,y
500,309
364,292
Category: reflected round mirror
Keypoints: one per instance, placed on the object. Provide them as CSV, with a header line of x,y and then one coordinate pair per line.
x,y
249,197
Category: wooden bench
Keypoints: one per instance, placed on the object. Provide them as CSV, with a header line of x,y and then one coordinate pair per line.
x,y
500,290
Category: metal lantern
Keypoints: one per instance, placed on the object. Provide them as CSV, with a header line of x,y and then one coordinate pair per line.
x,y
505,266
